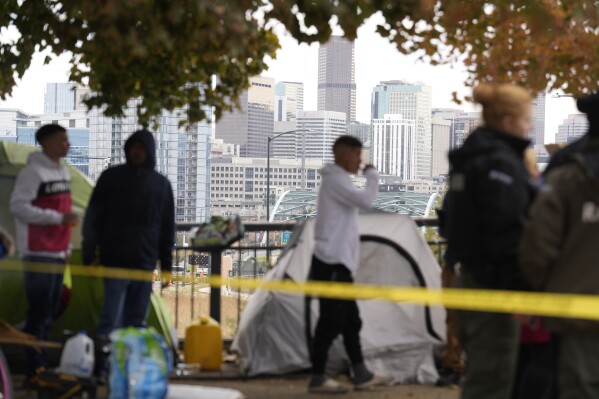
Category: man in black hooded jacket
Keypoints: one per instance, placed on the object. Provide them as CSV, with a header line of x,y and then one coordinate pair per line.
x,y
130,223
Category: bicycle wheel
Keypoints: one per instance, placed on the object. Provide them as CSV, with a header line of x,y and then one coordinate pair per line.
x,y
5,379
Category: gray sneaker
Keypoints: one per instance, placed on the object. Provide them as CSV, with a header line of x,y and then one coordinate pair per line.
x,y
328,386
376,381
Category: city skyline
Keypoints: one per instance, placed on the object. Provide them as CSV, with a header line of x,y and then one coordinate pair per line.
x,y
376,60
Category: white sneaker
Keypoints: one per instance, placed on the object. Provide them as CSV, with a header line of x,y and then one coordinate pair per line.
x,y
376,381
329,386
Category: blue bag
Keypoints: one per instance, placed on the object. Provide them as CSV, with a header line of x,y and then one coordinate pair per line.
x,y
140,363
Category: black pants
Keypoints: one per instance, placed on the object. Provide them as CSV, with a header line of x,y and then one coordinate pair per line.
x,y
43,293
336,317
536,376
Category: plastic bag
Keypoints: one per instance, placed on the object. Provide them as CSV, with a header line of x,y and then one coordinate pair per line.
x,y
140,363
219,232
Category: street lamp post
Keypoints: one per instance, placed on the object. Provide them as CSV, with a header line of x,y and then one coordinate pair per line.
x,y
303,166
269,140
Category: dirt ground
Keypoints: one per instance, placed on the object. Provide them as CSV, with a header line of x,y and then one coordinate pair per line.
x,y
291,387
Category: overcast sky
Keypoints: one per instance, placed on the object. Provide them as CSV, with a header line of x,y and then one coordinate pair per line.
x,y
376,60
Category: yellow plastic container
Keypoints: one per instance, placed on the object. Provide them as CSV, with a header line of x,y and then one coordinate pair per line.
x,y
204,344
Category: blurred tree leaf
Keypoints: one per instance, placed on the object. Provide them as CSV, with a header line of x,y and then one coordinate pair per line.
x,y
164,51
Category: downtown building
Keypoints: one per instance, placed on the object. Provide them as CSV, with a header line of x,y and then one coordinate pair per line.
x,y
10,120
572,128
97,142
250,126
19,127
393,146
537,134
310,136
64,97
182,154
336,77
361,131
441,132
77,125
462,124
413,101
319,130
239,185
289,98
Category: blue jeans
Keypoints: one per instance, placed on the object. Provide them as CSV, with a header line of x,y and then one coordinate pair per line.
x,y
43,294
125,304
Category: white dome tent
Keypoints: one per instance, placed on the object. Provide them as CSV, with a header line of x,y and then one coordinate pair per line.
x,y
397,338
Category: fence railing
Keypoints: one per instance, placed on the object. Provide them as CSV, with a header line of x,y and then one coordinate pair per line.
x,y
248,258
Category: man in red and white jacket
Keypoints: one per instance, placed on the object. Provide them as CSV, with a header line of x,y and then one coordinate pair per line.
x,y
42,206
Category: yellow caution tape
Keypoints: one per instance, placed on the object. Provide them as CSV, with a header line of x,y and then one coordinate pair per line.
x,y
516,302
77,270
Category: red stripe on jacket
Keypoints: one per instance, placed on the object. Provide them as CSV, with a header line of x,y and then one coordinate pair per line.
x,y
51,238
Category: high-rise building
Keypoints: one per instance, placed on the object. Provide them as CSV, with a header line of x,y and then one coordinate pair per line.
x,y
441,143
537,134
97,141
318,130
253,124
413,101
336,77
18,127
64,97
393,146
10,120
289,98
182,156
462,124
572,128
285,146
362,131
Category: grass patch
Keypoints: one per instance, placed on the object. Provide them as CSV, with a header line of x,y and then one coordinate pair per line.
x,y
199,305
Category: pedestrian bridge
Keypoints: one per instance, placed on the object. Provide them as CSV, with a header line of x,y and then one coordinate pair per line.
x,y
294,205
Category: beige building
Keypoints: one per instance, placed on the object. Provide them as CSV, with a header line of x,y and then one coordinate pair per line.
x,y
220,149
253,124
462,124
238,185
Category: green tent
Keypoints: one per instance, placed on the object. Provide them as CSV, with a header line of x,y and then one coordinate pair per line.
x,y
87,294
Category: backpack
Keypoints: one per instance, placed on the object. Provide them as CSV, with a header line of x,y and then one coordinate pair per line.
x,y
140,363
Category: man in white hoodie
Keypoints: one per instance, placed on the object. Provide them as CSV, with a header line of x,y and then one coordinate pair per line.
x,y
42,206
336,258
